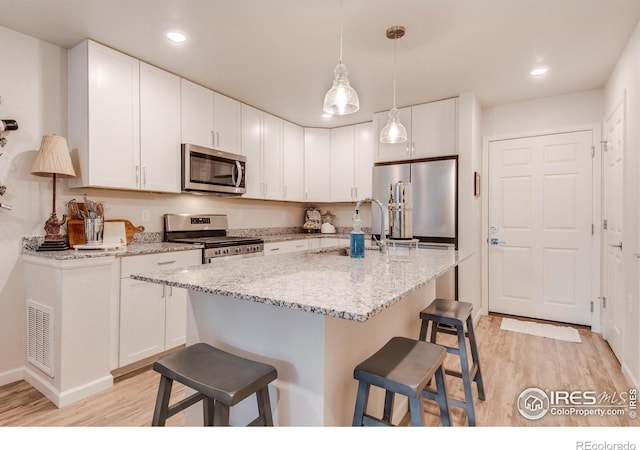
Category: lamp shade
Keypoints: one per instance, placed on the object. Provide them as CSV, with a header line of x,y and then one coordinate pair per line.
x,y
341,99
394,132
53,157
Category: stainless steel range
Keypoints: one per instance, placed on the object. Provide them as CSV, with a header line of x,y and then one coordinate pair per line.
x,y
210,230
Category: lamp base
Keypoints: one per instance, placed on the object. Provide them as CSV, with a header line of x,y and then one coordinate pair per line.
x,y
53,246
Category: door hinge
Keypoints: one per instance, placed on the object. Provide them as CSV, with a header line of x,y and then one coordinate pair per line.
x,y
605,145
604,224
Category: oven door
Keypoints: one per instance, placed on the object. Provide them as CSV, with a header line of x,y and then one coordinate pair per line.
x,y
208,170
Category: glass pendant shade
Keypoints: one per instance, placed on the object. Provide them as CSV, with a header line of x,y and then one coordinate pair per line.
x,y
341,99
393,132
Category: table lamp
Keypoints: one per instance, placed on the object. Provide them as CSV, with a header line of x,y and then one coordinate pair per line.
x,y
53,159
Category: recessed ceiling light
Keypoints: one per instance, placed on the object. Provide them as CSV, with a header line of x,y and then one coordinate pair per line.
x,y
539,71
176,36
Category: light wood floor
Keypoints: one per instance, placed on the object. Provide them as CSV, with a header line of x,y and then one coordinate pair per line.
x,y
510,363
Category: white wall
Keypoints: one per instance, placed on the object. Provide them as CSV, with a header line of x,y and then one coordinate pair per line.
x,y
543,114
33,88
625,81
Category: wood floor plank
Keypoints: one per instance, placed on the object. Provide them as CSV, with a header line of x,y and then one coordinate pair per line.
x,y
510,363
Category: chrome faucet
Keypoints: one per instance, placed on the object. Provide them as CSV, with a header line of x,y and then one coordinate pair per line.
x,y
382,243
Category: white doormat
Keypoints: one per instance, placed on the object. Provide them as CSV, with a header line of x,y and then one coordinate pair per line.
x,y
541,329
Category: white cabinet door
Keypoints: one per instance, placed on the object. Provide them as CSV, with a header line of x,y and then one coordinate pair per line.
x,y
272,156
227,123
142,318
197,114
252,149
392,152
175,329
159,130
104,116
343,164
292,162
434,128
317,164
364,155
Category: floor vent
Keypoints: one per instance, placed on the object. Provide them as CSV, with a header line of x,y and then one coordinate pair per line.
x,y
40,336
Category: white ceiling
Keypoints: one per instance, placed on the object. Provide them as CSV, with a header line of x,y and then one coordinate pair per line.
x,y
279,55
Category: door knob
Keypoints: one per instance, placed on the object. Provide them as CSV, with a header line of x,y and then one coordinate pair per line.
x,y
617,246
496,241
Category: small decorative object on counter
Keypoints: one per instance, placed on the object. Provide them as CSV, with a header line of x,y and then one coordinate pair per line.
x,y
312,220
328,226
356,237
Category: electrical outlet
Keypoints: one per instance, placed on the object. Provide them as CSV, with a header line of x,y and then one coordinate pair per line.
x,y
144,215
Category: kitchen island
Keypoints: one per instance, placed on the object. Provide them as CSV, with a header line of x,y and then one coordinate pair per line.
x,y
313,315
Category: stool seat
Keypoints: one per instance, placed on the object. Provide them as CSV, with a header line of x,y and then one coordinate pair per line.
x,y
221,379
447,311
402,366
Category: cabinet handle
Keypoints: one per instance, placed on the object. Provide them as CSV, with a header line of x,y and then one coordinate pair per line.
x,y
144,176
300,246
355,189
137,175
160,263
213,138
408,150
275,249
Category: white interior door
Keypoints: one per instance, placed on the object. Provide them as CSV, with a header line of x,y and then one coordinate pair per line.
x,y
613,267
540,227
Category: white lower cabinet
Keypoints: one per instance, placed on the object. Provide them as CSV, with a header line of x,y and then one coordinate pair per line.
x,y
152,316
333,242
276,248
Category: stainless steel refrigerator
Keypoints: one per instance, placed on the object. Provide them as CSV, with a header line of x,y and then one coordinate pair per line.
x,y
434,185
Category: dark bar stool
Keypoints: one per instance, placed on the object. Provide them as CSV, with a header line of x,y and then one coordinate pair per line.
x,y
220,380
403,366
444,315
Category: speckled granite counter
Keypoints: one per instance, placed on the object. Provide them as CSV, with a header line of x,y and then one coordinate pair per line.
x,y
318,281
129,250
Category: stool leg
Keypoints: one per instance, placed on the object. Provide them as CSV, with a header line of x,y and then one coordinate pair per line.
x,y
423,330
434,331
415,408
264,407
362,398
443,400
388,406
476,360
208,410
220,414
161,409
466,379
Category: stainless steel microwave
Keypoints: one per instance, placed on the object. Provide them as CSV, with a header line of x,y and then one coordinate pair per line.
x,y
208,170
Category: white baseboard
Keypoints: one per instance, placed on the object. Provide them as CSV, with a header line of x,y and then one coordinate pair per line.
x,y
11,376
64,398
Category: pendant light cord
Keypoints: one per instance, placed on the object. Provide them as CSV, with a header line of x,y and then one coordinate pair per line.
x,y
395,64
340,31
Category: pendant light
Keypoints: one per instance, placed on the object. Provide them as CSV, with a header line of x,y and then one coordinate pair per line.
x,y
341,99
394,132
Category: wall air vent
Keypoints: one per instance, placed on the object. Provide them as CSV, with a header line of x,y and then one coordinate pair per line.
x,y
40,336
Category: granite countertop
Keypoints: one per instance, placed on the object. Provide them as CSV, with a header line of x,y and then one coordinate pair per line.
x,y
318,281
297,236
129,250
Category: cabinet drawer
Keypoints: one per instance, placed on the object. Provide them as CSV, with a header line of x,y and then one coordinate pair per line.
x,y
274,248
159,261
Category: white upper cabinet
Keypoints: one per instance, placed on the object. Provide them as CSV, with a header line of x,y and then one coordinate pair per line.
x,y
210,119
104,117
292,162
343,164
159,130
351,162
431,131
197,114
317,164
262,145
227,123
123,118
